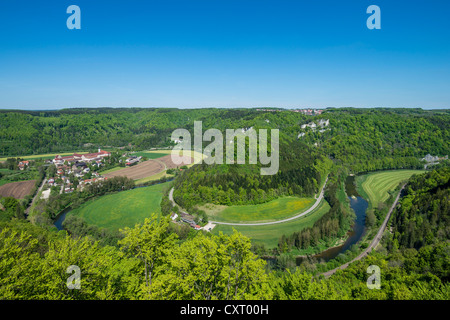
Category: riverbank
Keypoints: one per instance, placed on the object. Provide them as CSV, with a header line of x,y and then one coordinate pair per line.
x,y
374,242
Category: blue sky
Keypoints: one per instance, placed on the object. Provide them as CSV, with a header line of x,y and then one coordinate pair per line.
x,y
224,53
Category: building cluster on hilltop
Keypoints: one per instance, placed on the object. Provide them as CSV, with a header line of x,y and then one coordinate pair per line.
x,y
309,112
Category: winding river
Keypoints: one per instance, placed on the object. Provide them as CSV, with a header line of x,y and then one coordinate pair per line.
x,y
359,205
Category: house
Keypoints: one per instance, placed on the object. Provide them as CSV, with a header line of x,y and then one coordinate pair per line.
x,y
95,156
187,218
79,165
59,160
174,216
68,190
132,161
23,164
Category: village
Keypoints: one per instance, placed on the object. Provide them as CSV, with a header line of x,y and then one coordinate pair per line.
x,y
78,167
76,171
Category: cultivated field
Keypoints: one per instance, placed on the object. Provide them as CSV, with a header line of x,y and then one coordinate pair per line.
x,y
139,171
270,234
167,161
378,185
123,209
18,189
274,210
145,169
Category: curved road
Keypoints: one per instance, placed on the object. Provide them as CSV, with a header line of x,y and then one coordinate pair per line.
x,y
375,240
266,223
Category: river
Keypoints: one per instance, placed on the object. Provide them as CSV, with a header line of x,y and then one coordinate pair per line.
x,y
60,218
359,205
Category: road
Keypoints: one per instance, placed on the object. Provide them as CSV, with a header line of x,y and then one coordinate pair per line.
x,y
374,242
267,223
36,195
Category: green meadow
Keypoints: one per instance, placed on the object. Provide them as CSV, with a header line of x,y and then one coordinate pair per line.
x,y
376,186
122,209
274,210
270,234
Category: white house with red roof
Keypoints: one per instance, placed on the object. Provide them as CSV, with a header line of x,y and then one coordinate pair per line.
x,y
23,164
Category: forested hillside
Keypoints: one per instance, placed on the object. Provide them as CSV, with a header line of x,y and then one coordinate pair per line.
x,y
381,139
364,139
423,217
301,173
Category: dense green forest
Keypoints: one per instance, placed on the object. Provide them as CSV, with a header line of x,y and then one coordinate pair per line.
x,y
424,214
150,263
380,139
334,224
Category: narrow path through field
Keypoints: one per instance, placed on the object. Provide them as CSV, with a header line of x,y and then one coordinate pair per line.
x,y
375,240
319,198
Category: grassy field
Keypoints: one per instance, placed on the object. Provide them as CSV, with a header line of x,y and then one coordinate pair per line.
x,y
270,234
154,177
377,185
149,154
123,209
43,156
271,211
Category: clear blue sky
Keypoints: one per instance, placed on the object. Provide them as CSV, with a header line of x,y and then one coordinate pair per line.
x,y
224,53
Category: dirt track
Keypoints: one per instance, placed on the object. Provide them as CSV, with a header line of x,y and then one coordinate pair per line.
x,y
145,169
18,189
